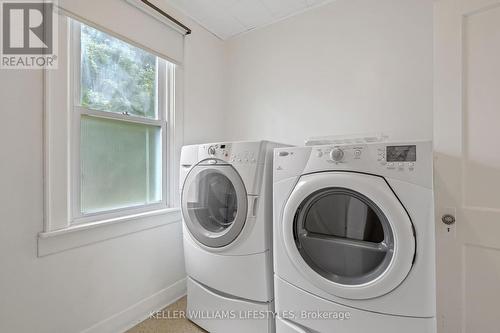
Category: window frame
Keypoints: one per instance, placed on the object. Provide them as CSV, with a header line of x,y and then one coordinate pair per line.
x,y
164,92
59,230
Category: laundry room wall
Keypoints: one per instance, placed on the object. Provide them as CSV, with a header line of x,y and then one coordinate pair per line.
x,y
205,87
352,66
104,286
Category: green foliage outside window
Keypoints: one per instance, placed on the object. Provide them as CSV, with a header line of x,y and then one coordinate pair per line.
x,y
116,76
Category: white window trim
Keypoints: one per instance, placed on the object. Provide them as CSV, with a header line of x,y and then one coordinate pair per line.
x,y
165,81
59,197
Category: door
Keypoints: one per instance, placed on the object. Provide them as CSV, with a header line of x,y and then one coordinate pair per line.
x,y
349,234
214,204
467,164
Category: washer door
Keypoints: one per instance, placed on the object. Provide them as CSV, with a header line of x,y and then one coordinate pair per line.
x,y
214,204
348,234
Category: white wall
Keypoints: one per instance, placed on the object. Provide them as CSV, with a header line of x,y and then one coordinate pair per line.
x,y
352,66
74,290
205,94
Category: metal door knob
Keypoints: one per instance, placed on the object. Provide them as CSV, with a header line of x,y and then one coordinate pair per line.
x,y
448,219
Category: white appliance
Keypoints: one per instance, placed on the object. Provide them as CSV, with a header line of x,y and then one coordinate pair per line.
x,y
354,238
226,200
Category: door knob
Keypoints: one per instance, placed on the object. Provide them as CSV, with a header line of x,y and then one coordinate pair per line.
x,y
448,219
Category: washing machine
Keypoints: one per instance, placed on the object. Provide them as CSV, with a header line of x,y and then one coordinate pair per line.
x,y
354,238
226,201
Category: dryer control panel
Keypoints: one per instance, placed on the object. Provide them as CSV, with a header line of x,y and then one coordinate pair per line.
x,y
400,157
406,161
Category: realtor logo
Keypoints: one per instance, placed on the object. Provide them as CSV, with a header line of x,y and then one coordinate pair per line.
x,y
28,35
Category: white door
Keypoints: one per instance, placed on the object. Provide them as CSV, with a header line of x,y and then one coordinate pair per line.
x,y
467,164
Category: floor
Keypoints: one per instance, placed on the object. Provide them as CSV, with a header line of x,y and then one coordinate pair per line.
x,y
164,323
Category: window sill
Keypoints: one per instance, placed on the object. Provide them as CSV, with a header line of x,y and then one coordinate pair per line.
x,y
75,236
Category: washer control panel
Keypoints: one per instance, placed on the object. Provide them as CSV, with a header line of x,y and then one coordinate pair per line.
x,y
230,152
218,151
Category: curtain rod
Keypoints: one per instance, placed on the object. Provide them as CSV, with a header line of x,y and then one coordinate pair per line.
x,y
169,17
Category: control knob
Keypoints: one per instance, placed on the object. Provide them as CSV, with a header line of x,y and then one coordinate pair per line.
x,y
337,154
211,151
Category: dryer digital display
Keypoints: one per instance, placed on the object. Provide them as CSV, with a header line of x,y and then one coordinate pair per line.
x,y
402,153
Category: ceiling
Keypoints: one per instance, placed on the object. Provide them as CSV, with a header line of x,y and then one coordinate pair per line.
x,y
228,18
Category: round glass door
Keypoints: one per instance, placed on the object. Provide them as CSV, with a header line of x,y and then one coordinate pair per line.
x,y
348,234
214,204
343,236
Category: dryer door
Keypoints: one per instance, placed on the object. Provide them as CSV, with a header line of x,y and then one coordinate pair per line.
x,y
214,204
348,234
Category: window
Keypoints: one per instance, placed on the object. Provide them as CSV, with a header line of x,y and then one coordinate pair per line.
x,y
119,126
112,127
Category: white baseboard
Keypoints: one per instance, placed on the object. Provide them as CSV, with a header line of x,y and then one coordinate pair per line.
x,y
140,311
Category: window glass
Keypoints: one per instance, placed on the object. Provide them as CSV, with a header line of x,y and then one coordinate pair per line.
x,y
116,76
120,164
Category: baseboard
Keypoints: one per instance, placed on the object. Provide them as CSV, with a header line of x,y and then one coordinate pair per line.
x,y
140,311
